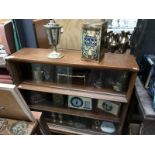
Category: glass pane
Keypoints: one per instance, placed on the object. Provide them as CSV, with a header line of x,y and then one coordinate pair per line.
x,y
82,78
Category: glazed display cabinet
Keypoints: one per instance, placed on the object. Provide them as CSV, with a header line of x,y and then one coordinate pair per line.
x,y
77,97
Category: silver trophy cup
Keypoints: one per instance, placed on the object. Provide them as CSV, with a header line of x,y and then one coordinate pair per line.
x,y
53,31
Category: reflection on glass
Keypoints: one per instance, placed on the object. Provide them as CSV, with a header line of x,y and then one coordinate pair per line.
x,y
97,124
53,115
86,78
60,116
99,82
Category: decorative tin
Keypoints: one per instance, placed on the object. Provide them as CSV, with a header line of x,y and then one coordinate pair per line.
x,y
92,41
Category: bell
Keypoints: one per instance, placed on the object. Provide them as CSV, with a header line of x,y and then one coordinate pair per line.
x,y
113,43
124,41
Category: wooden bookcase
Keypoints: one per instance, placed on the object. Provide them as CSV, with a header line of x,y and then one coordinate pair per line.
x,y
17,64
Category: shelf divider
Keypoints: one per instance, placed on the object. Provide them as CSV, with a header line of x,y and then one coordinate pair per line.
x,y
63,89
76,112
64,129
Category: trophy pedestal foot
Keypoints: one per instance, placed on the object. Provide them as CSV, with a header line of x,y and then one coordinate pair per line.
x,y
55,55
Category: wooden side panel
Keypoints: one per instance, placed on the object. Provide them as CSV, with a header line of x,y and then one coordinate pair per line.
x,y
6,36
41,38
131,85
14,70
71,36
129,93
124,113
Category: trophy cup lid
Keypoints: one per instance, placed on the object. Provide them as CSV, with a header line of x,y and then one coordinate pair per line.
x,y
52,24
92,26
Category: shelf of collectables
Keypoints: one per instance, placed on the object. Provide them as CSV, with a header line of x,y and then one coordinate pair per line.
x,y
78,97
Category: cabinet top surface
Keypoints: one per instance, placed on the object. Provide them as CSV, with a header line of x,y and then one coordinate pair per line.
x,y
73,58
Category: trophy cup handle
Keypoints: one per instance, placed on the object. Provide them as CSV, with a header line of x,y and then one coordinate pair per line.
x,y
62,30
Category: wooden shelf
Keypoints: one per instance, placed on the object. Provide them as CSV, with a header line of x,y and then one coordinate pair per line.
x,y
63,129
74,112
49,87
73,58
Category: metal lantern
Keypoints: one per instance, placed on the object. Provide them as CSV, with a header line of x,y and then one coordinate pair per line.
x,y
53,31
